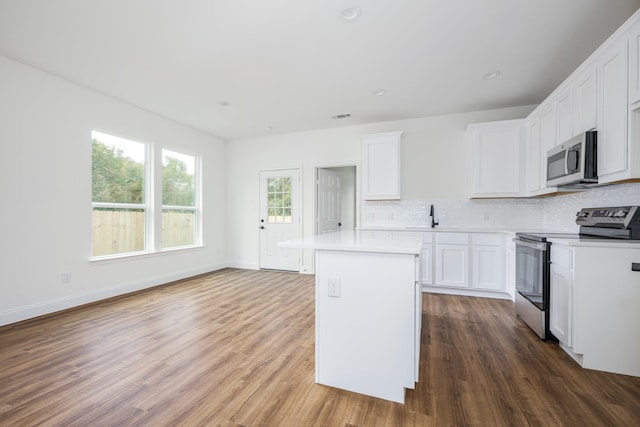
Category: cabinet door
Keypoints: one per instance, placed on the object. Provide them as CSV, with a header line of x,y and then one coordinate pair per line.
x,y
585,101
487,270
560,299
510,270
381,161
548,132
534,159
426,258
564,111
612,110
496,159
634,63
451,265
547,135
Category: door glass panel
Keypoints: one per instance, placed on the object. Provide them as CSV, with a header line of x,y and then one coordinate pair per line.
x,y
279,200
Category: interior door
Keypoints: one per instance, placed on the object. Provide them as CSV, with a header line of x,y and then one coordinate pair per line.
x,y
279,218
328,204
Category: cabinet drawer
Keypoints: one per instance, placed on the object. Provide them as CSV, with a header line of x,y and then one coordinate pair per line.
x,y
487,239
452,238
562,256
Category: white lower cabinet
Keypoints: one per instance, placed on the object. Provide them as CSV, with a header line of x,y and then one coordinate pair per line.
x,y
510,267
560,310
426,259
465,264
452,259
594,305
451,265
487,257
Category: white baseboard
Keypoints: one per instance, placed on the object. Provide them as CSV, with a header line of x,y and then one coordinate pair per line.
x,y
466,292
243,265
51,306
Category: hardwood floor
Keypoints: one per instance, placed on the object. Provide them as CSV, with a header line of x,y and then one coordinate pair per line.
x,y
236,348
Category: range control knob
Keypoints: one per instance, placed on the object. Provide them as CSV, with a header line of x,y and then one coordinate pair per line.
x,y
619,214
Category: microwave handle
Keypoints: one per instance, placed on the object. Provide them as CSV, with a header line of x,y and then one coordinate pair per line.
x,y
573,160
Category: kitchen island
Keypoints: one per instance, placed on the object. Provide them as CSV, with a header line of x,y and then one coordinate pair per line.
x,y
368,310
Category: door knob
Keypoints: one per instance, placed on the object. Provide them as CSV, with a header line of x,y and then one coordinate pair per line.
x,y
339,224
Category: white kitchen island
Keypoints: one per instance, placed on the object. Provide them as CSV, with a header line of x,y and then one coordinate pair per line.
x,y
368,310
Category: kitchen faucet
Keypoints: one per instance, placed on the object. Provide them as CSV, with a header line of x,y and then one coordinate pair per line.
x,y
433,221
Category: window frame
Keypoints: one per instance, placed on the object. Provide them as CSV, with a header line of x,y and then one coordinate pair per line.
x,y
152,206
197,205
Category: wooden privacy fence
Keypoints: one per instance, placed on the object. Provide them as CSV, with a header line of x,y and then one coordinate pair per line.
x,y
119,231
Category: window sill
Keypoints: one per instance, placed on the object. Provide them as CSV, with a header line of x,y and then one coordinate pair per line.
x,y
108,259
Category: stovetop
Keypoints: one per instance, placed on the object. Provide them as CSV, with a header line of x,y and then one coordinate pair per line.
x,y
542,237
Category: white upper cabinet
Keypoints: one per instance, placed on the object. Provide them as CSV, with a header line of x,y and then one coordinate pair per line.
x,y
633,146
585,101
497,153
564,111
576,106
634,63
602,94
381,166
548,129
534,155
612,68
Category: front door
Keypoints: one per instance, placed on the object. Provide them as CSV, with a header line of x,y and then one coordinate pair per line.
x,y
328,205
279,218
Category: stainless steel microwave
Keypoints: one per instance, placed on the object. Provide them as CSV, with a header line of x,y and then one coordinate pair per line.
x,y
574,162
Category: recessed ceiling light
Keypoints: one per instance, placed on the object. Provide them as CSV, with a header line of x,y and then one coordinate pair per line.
x,y
379,92
491,75
350,14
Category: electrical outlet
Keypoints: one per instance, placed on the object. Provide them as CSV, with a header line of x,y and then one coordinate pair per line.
x,y
334,288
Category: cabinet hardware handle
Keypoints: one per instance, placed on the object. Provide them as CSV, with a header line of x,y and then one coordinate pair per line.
x,y
635,266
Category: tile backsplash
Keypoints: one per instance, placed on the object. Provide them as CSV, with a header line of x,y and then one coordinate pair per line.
x,y
560,211
552,213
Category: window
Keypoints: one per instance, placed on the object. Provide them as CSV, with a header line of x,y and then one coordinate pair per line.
x,y
178,199
279,200
119,169
126,211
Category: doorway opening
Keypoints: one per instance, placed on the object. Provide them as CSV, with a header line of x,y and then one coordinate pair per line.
x,y
335,199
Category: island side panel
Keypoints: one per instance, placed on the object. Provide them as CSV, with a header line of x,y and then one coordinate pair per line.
x,y
365,330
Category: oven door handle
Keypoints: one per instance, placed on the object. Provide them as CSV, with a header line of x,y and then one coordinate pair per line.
x,y
533,245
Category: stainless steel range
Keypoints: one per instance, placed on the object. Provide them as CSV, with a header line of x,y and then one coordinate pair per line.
x,y
533,252
622,222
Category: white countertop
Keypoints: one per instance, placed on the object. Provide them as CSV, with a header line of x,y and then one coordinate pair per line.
x,y
400,242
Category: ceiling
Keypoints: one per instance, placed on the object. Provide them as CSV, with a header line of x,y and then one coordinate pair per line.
x,y
235,68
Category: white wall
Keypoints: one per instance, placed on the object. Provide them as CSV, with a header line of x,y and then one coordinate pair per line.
x,y
45,183
433,166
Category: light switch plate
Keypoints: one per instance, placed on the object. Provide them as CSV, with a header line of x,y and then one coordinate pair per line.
x,y
334,288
